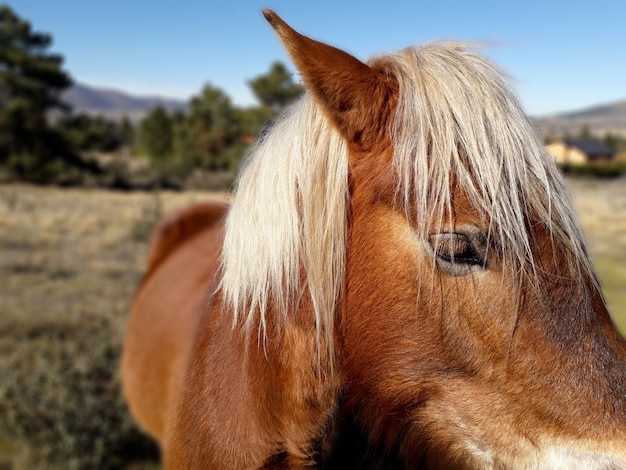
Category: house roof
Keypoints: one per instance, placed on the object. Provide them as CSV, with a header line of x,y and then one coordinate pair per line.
x,y
593,148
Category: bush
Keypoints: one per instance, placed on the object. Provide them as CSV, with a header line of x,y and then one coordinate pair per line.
x,y
60,394
606,169
35,169
87,133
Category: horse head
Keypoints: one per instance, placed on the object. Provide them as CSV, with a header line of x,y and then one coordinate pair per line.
x,y
469,328
400,282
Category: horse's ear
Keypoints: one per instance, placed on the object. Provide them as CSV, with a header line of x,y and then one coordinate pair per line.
x,y
353,94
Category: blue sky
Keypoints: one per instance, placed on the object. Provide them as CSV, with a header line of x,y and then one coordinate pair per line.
x,y
560,55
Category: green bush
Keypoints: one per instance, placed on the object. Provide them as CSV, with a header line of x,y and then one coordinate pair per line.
x,y
87,133
606,169
60,395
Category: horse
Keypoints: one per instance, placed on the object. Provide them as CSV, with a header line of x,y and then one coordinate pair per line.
x,y
400,281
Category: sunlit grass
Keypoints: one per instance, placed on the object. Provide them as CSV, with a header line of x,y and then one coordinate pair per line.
x,y
601,206
612,273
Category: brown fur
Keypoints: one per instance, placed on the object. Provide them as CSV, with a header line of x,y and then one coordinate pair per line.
x,y
175,229
432,367
163,318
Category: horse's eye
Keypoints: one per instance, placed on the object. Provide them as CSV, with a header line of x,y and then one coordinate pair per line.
x,y
456,252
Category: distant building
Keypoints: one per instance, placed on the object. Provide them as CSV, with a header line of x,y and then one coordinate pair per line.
x,y
579,151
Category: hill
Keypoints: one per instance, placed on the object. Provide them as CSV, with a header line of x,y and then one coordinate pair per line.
x,y
115,104
601,119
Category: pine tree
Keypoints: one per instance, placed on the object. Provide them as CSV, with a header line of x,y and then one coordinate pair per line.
x,y
31,82
157,134
212,128
275,89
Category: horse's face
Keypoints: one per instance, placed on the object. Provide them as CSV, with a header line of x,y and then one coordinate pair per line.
x,y
453,354
477,365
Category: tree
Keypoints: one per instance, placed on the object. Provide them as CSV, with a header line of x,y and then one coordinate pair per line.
x,y
585,132
275,89
614,141
127,131
157,133
212,128
252,120
92,133
31,82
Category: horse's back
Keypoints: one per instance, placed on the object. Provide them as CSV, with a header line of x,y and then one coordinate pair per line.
x,y
182,261
182,225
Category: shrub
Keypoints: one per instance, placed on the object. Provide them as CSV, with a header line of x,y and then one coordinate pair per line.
x,y
608,169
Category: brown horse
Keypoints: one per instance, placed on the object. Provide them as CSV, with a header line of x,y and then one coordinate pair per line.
x,y
400,282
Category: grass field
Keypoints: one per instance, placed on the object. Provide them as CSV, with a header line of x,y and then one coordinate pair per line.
x,y
69,263
63,248
601,206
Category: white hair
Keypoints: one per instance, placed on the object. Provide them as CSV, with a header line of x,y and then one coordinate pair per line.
x,y
459,123
457,120
288,217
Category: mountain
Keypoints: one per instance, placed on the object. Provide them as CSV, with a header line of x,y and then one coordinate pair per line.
x,y
601,119
115,104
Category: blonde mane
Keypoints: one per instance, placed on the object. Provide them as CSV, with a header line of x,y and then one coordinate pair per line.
x,y
288,217
457,121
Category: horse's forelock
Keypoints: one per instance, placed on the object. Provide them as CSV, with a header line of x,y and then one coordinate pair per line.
x,y
456,120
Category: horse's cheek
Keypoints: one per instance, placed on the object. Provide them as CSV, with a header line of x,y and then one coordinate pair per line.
x,y
382,286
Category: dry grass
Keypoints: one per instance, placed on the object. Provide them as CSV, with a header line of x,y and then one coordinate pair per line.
x,y
61,248
69,263
67,254
601,205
